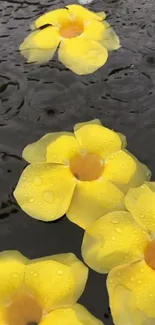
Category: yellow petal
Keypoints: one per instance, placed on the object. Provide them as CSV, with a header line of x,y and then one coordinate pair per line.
x,y
112,240
56,147
40,46
12,267
77,126
97,139
93,199
54,17
119,167
103,33
53,280
44,191
141,204
110,40
82,56
76,315
139,279
102,14
123,139
82,13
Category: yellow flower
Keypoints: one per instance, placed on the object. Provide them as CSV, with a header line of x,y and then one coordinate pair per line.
x,y
84,174
42,291
124,244
84,39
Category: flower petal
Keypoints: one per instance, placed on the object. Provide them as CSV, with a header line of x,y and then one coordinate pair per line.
x,y
40,46
119,167
82,56
112,240
12,267
141,204
103,33
77,315
139,279
53,17
56,147
97,139
82,13
44,191
102,14
93,199
53,280
110,39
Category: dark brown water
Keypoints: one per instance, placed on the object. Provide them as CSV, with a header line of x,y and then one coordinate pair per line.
x,y
35,100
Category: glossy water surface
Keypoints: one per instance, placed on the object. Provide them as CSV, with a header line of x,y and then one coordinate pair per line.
x,y
36,99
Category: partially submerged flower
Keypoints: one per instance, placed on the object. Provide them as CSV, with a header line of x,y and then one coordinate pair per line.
x,y
83,174
124,244
42,291
83,37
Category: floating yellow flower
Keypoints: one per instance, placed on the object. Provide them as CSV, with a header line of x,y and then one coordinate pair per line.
x,y
124,242
84,39
83,174
42,291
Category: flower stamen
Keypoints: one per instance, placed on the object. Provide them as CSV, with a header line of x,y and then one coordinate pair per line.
x,y
71,29
86,167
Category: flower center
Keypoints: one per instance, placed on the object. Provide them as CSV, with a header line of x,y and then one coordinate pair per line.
x,y
150,254
71,29
23,310
86,167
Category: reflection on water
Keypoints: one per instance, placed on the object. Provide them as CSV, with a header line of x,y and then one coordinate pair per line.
x,y
38,99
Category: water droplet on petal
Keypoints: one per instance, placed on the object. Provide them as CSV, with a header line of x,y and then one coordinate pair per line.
x,y
37,181
31,200
59,272
48,196
113,238
15,275
115,220
119,230
141,216
132,279
35,274
139,282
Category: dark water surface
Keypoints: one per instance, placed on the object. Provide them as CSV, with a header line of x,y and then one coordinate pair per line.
x,y
35,100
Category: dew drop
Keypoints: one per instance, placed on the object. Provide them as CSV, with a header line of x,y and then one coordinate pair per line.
x,y
113,238
141,216
132,279
35,274
59,272
15,275
31,200
139,282
48,196
37,181
119,230
115,220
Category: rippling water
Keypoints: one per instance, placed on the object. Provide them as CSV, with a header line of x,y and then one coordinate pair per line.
x,y
35,100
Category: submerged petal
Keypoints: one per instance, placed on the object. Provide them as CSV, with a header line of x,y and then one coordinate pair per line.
x,y
44,191
77,315
82,13
110,40
12,268
139,279
93,199
97,139
41,45
54,281
82,56
56,147
113,240
141,204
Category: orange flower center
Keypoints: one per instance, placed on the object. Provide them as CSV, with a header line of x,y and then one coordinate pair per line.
x,y
86,167
71,29
23,310
150,254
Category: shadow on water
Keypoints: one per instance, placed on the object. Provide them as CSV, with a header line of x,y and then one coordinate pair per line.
x,y
35,100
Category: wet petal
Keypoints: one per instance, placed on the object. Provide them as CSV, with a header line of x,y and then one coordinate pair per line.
x,y
93,199
141,204
102,14
139,279
112,240
54,17
82,56
97,139
56,147
12,267
77,315
82,13
103,33
119,167
44,191
53,280
123,139
40,46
